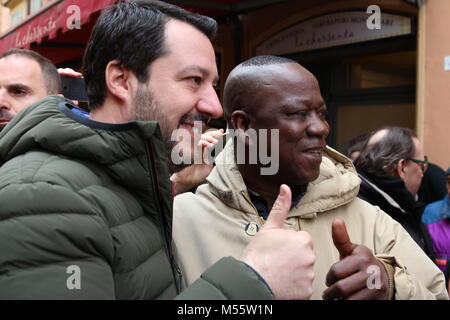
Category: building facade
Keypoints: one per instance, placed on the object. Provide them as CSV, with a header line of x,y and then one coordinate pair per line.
x,y
379,62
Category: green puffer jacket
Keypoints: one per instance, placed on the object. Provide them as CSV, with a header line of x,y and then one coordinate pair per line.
x,y
75,192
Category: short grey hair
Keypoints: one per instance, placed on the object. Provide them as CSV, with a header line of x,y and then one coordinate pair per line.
x,y
52,80
383,155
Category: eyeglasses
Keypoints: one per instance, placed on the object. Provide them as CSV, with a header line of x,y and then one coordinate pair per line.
x,y
422,163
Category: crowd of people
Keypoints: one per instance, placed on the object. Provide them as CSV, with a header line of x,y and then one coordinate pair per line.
x,y
99,189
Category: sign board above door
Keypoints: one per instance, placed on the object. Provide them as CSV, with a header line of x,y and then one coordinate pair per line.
x,y
332,30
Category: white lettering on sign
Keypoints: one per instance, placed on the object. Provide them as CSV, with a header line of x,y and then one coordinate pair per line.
x,y
35,33
334,30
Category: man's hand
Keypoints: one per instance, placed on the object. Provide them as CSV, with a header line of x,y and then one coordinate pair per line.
x,y
194,175
71,73
284,258
349,277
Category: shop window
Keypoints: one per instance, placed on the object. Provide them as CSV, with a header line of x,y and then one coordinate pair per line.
x,y
384,70
353,120
36,5
17,16
379,90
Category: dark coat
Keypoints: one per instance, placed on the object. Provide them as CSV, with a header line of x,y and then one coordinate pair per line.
x,y
390,194
434,185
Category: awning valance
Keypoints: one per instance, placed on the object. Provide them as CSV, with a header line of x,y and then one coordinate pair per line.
x,y
53,20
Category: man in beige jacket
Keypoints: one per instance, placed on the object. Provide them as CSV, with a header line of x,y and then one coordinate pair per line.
x,y
361,253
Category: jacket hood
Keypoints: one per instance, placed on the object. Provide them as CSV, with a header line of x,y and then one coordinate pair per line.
x,y
121,149
337,184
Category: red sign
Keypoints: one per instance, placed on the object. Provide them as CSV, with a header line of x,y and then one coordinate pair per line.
x,y
59,16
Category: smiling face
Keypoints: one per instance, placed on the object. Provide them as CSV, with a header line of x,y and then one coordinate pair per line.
x,y
21,84
288,98
182,82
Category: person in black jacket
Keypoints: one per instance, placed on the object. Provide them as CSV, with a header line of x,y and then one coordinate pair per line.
x,y
434,184
391,166
447,275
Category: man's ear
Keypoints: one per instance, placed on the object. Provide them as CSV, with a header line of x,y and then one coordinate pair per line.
x,y
240,120
119,81
242,123
400,169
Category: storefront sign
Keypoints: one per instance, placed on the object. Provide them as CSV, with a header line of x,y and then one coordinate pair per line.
x,y
34,32
58,16
333,30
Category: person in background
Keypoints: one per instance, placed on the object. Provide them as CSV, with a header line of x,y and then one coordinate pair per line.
x,y
447,276
355,144
434,184
436,217
391,166
25,78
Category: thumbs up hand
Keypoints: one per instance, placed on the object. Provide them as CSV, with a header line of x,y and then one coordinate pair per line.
x,y
284,258
341,239
358,275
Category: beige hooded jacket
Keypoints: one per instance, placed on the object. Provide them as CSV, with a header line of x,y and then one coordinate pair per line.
x,y
219,220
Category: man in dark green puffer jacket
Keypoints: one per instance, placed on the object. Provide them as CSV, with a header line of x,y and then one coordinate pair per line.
x,y
86,203
74,192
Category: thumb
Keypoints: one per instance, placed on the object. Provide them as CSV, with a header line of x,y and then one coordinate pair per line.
x,y
341,239
280,209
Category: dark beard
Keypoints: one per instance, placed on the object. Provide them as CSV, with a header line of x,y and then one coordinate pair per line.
x,y
146,108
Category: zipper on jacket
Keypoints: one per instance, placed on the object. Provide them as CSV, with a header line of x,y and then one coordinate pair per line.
x,y
176,272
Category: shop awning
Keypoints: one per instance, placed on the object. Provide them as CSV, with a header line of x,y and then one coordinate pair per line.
x,y
51,22
52,31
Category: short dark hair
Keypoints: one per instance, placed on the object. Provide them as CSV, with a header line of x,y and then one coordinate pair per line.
x,y
50,74
239,84
356,143
383,155
265,60
132,33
